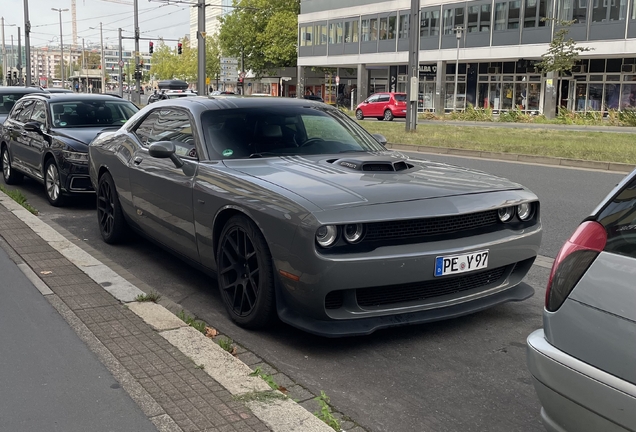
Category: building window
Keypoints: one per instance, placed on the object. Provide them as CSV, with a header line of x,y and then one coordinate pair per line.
x,y
384,24
453,18
514,13
500,16
575,10
404,26
332,33
323,34
478,19
339,34
484,18
534,13
424,24
354,27
351,32
374,29
507,15
366,30
392,27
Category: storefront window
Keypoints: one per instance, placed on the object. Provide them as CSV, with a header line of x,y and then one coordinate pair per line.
x,y
404,26
534,95
521,96
595,97
494,96
507,95
628,100
581,96
426,99
612,96
461,95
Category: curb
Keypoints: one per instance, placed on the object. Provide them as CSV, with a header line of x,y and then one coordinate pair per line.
x,y
513,157
279,412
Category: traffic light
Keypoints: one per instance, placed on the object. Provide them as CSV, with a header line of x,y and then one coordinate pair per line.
x,y
151,47
179,48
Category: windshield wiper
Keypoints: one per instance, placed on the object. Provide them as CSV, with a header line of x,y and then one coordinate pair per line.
x,y
263,154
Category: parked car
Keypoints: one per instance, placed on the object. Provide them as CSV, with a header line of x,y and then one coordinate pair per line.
x,y
582,361
46,137
383,106
9,95
314,98
304,214
170,94
58,90
221,93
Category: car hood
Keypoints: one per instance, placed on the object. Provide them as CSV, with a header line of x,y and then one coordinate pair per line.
x,y
345,180
79,138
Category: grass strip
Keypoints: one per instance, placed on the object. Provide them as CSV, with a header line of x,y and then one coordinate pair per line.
x,y
593,146
19,197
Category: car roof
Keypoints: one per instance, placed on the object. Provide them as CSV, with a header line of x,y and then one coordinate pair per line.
x,y
203,103
66,97
21,90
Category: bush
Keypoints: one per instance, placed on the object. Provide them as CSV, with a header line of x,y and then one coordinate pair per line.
x,y
627,117
472,114
515,116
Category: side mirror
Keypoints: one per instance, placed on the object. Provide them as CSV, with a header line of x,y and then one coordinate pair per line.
x,y
380,138
164,150
33,127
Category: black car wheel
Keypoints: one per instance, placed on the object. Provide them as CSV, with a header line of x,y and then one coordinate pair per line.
x,y
359,115
10,175
110,217
388,115
53,184
245,276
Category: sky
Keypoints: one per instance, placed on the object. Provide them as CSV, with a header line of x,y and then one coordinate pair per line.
x,y
156,19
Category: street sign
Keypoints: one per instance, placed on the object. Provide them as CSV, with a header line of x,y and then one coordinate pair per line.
x,y
207,80
229,60
121,63
337,79
242,75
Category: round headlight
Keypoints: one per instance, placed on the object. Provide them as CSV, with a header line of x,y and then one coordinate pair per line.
x,y
327,235
506,214
524,211
353,232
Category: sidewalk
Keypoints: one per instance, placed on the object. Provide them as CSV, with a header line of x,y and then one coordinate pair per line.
x,y
179,379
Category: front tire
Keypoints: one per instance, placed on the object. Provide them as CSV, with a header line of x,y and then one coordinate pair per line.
x,y
245,274
359,115
388,115
53,183
110,217
11,176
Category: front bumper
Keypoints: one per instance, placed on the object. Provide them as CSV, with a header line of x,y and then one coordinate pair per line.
x,y
75,178
577,397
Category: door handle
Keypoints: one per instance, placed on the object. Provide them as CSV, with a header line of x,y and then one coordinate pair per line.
x,y
137,160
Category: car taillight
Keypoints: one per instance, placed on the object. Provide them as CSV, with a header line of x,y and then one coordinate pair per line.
x,y
572,261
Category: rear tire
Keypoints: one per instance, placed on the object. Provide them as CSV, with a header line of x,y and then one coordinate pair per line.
x,y
11,176
359,115
388,115
110,217
245,274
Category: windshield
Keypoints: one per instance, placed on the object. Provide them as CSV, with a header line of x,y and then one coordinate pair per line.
x,y
91,113
283,131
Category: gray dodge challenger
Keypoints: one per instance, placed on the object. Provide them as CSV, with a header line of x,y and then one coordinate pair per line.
x,y
302,214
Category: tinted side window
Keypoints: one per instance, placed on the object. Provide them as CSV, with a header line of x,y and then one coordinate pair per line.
x,y
39,113
619,220
373,99
144,129
17,109
174,125
384,98
25,113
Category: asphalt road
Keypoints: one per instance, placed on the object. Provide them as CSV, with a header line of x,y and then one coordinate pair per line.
x,y
466,374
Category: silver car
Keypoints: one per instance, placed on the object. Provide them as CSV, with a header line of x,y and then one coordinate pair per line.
x,y
583,361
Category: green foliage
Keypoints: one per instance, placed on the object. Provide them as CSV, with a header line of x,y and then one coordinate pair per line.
x,y
192,321
90,60
17,196
563,53
152,296
266,377
627,117
472,114
226,344
263,32
324,413
167,64
515,116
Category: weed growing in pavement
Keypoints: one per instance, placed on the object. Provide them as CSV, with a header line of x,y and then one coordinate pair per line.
x,y
200,366
266,377
152,296
19,197
192,321
262,396
226,344
325,413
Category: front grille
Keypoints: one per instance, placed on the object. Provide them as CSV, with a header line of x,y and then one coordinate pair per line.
x,y
334,300
418,291
431,226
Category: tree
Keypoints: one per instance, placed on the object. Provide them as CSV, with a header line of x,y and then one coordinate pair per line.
x,y
92,60
264,32
212,57
562,54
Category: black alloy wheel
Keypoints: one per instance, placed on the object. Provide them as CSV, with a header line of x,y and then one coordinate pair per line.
x,y
110,217
245,275
53,183
10,175
359,115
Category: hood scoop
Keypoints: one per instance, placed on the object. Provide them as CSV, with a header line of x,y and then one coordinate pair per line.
x,y
372,165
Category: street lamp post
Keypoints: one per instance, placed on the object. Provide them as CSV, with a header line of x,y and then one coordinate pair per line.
x,y
102,62
5,61
458,35
61,44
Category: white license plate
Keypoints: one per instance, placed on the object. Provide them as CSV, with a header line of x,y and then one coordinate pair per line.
x,y
454,264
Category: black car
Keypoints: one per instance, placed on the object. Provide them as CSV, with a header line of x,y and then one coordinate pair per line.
x,y
313,98
46,137
9,95
58,90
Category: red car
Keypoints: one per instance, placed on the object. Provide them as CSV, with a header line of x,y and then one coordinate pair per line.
x,y
383,106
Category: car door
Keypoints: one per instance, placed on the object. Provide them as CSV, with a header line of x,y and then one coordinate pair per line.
x,y
37,140
162,192
383,102
371,106
18,137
